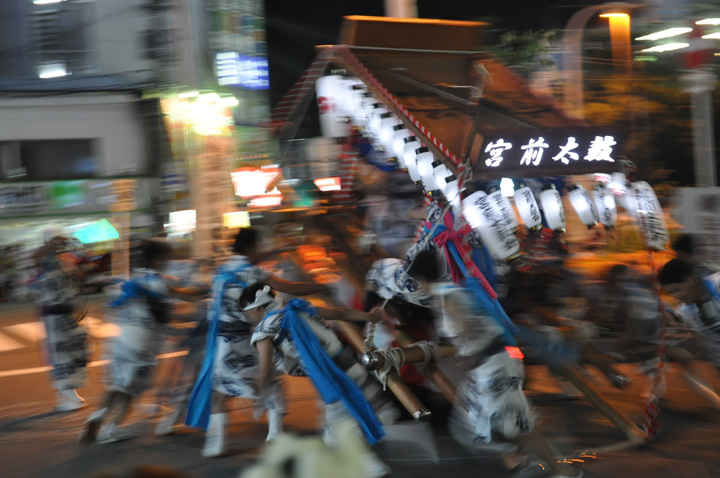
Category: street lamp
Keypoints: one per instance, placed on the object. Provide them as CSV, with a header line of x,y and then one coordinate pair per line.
x,y
620,39
572,53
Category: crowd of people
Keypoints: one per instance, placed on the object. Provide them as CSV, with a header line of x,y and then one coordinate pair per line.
x,y
253,326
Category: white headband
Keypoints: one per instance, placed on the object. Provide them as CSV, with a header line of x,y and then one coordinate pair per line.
x,y
262,297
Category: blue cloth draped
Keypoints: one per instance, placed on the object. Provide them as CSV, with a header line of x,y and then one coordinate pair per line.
x,y
484,262
331,382
133,289
491,307
712,289
557,355
200,404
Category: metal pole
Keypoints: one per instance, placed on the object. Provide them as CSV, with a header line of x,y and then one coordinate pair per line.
x,y
401,8
700,85
703,141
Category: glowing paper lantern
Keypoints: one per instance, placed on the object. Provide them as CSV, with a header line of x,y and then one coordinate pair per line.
x,y
618,184
486,221
387,130
372,114
650,215
528,207
602,178
357,96
552,206
605,206
411,145
332,116
398,143
583,205
504,208
377,115
421,168
450,188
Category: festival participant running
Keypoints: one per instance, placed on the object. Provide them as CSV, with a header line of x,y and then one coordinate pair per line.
x,y
66,345
230,367
305,345
145,302
490,409
700,309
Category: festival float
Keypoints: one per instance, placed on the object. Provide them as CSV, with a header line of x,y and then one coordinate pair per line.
x,y
419,96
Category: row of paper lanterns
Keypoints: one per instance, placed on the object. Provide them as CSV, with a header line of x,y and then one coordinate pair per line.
x,y
341,97
490,214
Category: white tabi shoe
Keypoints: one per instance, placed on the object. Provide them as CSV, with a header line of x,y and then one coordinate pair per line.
x,y
275,425
68,401
90,428
215,436
111,433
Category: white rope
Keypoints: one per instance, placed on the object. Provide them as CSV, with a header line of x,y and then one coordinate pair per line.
x,y
430,350
393,359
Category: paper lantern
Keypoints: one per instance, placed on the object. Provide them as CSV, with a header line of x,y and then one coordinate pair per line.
x,y
441,175
618,184
605,206
387,130
602,178
422,164
484,219
357,95
552,207
410,145
504,208
398,142
373,115
528,207
450,188
583,205
332,115
650,215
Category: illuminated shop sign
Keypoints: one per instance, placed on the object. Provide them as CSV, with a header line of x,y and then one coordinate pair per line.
x,y
328,184
245,71
258,185
549,152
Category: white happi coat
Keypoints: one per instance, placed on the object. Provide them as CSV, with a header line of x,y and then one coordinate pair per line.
x,y
490,402
66,346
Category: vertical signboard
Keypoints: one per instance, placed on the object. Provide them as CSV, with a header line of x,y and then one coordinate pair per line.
x,y
124,191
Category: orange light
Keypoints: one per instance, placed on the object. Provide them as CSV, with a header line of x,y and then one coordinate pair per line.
x,y
328,184
514,352
614,15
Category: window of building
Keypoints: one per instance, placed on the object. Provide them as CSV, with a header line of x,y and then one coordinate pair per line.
x,y
49,160
59,32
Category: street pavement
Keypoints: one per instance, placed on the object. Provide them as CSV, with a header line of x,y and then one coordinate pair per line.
x,y
36,442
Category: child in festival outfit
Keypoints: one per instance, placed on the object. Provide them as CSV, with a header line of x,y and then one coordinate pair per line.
x,y
490,409
144,314
297,339
230,366
66,343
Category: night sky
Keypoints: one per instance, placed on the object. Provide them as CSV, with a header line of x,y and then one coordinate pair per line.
x,y
294,27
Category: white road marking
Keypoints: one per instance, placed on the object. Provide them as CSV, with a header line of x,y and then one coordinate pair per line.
x,y
31,331
97,363
6,343
34,332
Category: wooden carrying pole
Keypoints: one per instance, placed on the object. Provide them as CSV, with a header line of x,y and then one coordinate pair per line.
x,y
406,397
431,371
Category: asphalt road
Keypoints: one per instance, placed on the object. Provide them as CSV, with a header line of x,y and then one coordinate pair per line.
x,y
36,442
